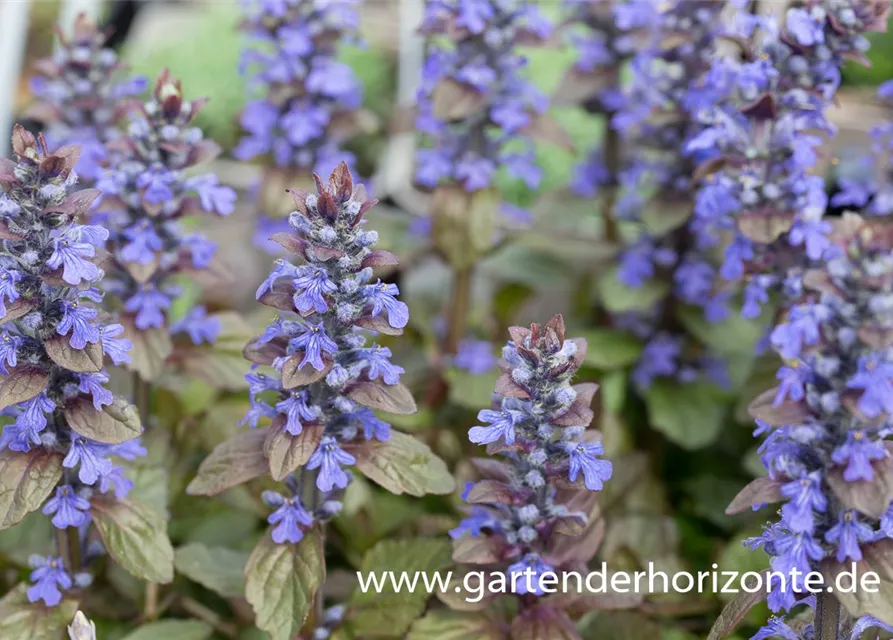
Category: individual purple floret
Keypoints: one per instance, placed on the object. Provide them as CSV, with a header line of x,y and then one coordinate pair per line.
x,y
84,94
148,188
476,108
549,461
54,395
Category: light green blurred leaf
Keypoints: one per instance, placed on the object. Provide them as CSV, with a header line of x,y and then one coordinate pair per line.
x,y
691,415
173,630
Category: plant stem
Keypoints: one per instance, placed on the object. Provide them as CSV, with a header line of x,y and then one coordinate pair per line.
x,y
68,546
827,617
200,611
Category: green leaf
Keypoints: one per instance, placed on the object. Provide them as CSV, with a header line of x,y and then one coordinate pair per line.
x,y
220,570
608,350
172,630
136,538
472,391
281,581
508,301
456,625
26,480
619,298
237,460
23,620
735,335
221,369
691,415
117,422
402,464
389,612
150,487
34,534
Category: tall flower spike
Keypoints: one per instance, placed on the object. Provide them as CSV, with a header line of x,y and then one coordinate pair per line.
x,y
826,424
146,191
529,506
84,94
759,140
308,101
477,111
652,119
321,381
65,431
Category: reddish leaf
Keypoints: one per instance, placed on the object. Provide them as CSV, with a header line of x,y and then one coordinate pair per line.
x,y
116,423
735,611
285,452
293,377
26,480
871,497
22,383
761,408
394,398
378,323
763,490
379,258
289,242
509,388
237,460
479,550
86,360
491,491
16,310
267,352
282,300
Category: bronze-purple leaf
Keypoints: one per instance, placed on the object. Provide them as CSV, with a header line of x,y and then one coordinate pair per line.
x,y
293,377
22,383
289,242
788,412
378,323
479,550
285,452
267,352
507,387
26,480
871,497
86,360
237,460
392,398
117,422
491,491
543,622
379,258
281,300
492,469
402,464
733,613
760,491
16,310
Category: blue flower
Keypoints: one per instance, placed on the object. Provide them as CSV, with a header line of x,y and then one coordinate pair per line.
x,y
525,575
328,458
848,533
475,356
214,197
281,269
297,411
857,453
377,363
49,578
373,427
792,384
502,426
875,378
310,287
8,293
804,498
474,523
67,508
92,383
199,326
149,305
314,342
381,297
584,457
91,458
806,29
113,479
76,319
72,254
28,425
288,518
114,347
9,348
143,243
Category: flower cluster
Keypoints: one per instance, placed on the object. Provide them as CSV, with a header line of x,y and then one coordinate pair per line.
x,y
309,96
760,117
328,375
826,422
654,122
539,427
52,347
475,106
83,95
146,192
